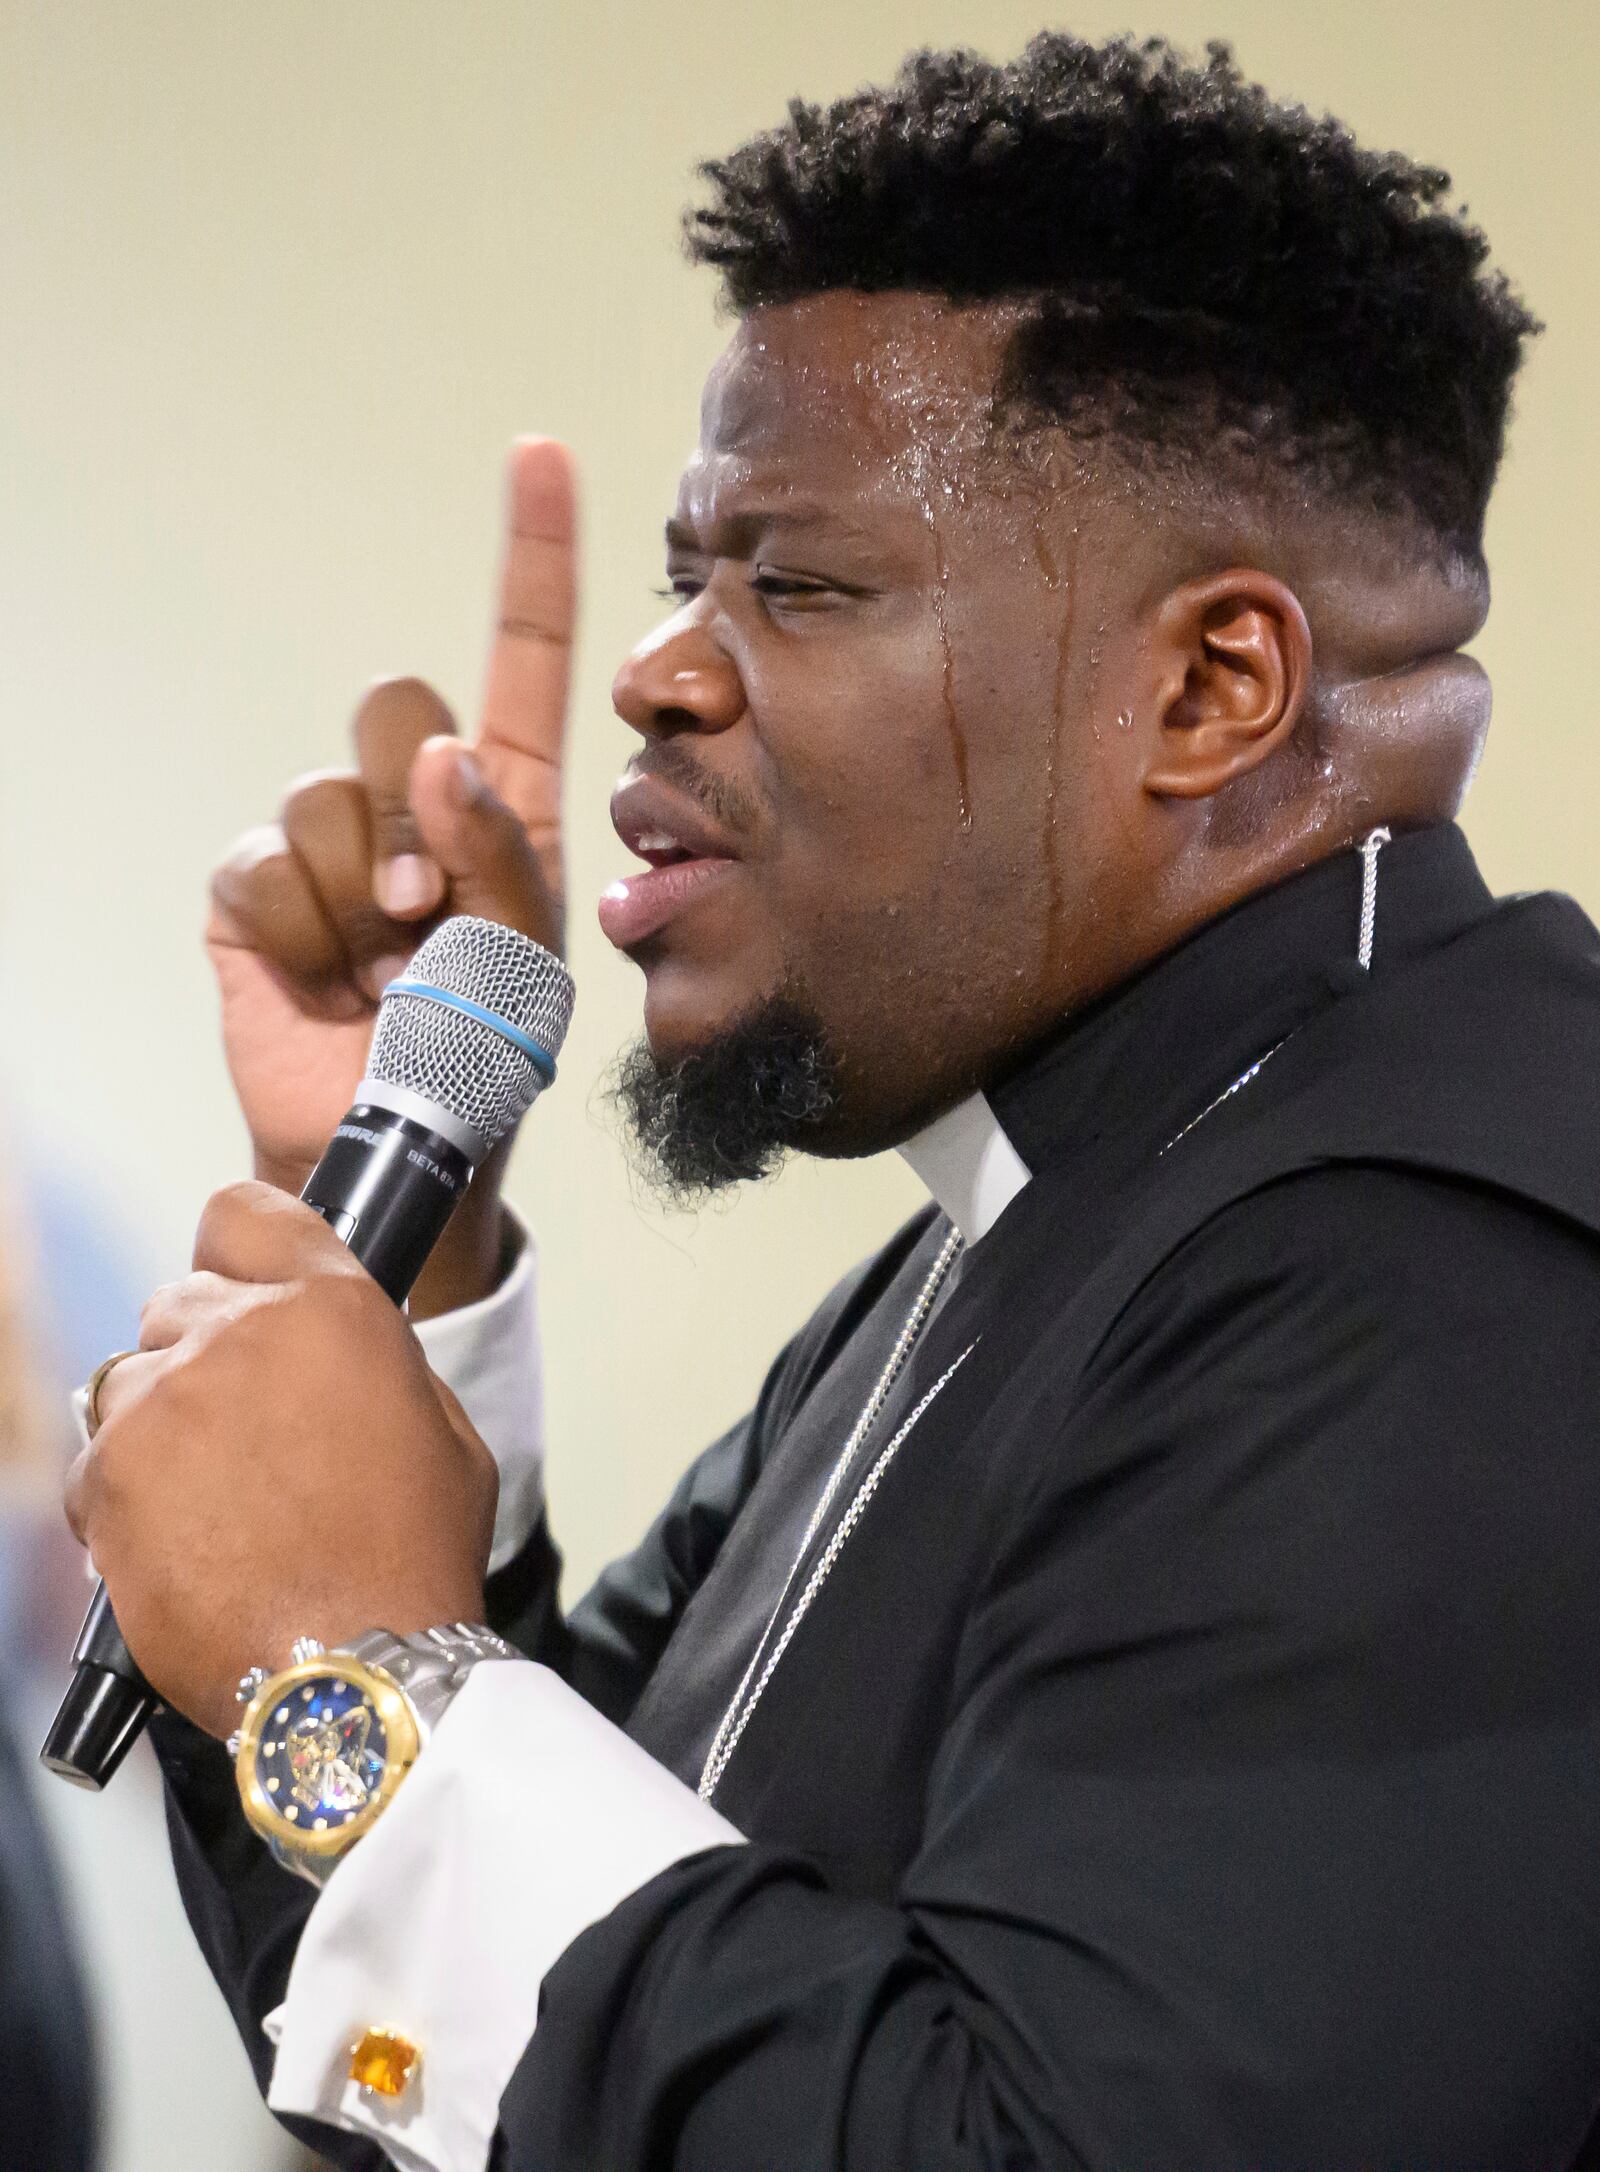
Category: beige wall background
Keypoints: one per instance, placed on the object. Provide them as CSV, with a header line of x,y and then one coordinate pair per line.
x,y
277,284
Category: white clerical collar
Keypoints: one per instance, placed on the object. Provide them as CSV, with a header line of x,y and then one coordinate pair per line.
x,y
969,1165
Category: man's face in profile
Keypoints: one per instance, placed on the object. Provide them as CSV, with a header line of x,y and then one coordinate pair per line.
x,y
858,784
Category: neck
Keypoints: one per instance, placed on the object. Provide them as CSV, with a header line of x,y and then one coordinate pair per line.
x,y
1119,1080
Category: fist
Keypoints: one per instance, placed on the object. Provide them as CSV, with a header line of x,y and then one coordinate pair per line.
x,y
277,1461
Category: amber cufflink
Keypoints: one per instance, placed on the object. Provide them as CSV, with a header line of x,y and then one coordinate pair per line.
x,y
384,2063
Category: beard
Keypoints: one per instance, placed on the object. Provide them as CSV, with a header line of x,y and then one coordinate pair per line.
x,y
731,1112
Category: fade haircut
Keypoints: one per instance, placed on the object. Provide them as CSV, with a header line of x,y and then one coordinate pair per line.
x,y
1208,276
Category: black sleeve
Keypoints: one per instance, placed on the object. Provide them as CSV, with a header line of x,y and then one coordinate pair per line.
x,y
246,1913
609,1644
1265,1830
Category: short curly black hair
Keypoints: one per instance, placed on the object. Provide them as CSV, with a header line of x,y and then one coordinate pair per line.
x,y
1204,268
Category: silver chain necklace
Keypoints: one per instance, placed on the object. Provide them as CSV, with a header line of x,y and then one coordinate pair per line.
x,y
748,1695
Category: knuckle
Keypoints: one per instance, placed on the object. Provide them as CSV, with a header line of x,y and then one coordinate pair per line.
x,y
365,929
315,789
107,1470
77,1491
391,806
157,1309
220,1219
485,1470
325,821
268,891
401,697
395,717
159,1300
226,1204
342,1296
254,871
256,848
243,1337
223,1326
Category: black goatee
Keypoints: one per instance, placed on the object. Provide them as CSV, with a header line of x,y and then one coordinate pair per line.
x,y
730,1112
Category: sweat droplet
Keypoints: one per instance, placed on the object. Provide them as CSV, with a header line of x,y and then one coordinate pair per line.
x,y
1045,556
947,664
1059,581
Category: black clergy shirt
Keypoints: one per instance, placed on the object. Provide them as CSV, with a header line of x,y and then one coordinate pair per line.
x,y
1190,1759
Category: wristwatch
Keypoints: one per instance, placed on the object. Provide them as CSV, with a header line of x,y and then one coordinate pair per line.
x,y
325,1743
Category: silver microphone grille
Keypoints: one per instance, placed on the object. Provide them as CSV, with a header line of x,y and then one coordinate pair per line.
x,y
430,1046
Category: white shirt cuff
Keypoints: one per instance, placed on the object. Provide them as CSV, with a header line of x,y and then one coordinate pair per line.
x,y
526,1819
489,1354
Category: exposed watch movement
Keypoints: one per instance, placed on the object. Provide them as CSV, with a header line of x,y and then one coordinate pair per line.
x,y
322,1748
324,1744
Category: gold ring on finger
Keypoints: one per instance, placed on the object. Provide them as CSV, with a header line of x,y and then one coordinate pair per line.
x,y
93,1416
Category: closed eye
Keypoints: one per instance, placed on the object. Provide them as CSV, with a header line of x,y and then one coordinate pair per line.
x,y
787,588
782,584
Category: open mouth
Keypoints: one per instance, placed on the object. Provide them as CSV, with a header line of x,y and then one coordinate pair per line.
x,y
665,852
684,856
640,906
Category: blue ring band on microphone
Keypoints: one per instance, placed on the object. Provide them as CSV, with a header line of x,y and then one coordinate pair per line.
x,y
541,1059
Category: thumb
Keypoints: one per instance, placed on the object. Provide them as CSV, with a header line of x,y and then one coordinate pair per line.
x,y
480,844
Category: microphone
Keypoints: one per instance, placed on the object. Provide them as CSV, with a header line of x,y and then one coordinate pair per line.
x,y
464,1045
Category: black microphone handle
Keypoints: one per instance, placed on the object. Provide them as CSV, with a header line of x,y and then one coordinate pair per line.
x,y
387,1185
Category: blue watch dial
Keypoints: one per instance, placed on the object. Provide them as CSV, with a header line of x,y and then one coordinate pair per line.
x,y
321,1754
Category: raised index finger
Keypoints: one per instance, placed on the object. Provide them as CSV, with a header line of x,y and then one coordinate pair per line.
x,y
525,696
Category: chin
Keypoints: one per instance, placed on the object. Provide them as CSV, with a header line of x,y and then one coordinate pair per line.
x,y
854,1134
689,1011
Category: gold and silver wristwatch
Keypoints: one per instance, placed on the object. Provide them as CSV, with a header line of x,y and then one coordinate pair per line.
x,y
325,1743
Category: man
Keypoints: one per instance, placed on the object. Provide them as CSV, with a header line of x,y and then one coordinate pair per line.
x,y
1126,1696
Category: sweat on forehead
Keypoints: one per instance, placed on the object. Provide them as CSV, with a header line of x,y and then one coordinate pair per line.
x,y
896,401
912,374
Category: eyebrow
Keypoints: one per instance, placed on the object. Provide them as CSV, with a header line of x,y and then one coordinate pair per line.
x,y
758,519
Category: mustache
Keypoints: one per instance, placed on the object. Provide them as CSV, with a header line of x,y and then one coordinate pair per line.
x,y
729,805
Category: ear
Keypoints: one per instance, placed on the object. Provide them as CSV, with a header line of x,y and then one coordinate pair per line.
x,y
1232,658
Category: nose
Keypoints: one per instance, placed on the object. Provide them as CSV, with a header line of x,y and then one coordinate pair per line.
x,y
678,680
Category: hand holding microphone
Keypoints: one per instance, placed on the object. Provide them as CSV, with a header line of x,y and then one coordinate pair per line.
x,y
277,1451
310,918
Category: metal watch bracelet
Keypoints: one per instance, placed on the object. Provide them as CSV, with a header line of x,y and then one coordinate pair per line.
x,y
429,1666
432,1665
